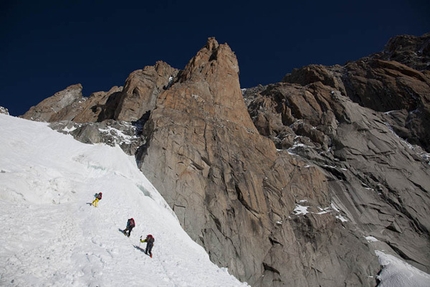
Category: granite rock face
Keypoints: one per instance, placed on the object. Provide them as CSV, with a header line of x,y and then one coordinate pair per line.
x,y
384,85
141,90
127,135
291,184
411,51
54,108
378,179
130,103
70,104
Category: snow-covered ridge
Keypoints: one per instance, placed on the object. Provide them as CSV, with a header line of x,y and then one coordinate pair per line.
x,y
53,237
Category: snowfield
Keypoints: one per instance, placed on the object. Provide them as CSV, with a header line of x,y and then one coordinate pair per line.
x,y
51,236
398,273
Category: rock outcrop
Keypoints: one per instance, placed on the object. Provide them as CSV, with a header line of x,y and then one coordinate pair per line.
x,y
408,50
4,111
130,103
282,184
55,108
70,104
113,117
141,90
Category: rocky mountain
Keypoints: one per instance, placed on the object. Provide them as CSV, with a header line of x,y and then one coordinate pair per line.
x,y
296,183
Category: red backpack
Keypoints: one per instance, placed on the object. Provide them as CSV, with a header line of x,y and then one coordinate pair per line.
x,y
150,239
99,196
131,222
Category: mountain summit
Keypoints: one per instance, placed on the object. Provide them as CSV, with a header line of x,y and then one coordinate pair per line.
x,y
283,184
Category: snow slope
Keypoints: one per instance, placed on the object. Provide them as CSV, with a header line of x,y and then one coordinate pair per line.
x,y
51,236
398,273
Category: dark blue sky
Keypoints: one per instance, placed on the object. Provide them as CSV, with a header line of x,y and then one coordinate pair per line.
x,y
46,46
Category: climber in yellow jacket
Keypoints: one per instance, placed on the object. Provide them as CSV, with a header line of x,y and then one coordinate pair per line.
x,y
98,197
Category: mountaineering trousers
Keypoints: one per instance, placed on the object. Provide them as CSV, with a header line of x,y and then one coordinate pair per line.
x,y
149,249
129,229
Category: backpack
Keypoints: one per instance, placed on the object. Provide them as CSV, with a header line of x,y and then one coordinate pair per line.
x,y
131,222
150,239
99,196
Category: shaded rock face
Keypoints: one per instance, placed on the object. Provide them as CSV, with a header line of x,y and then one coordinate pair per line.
x,y
127,135
281,184
383,86
409,50
392,87
377,179
381,181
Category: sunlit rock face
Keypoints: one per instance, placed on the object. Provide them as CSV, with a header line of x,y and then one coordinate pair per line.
x,y
236,193
141,90
282,184
54,108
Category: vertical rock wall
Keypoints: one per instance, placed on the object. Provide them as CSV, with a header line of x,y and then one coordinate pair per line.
x,y
235,193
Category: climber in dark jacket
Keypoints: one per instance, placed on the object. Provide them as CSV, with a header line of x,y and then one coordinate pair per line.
x,y
149,244
130,225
